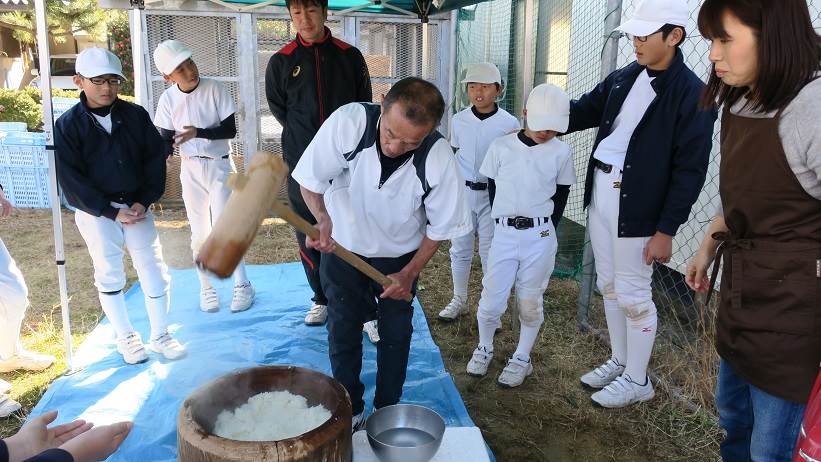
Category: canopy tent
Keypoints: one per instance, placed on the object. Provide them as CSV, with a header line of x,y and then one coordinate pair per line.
x,y
415,8
418,9
421,9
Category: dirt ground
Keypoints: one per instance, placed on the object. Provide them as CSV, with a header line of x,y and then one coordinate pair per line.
x,y
549,418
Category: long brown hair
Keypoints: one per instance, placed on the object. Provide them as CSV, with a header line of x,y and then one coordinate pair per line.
x,y
789,50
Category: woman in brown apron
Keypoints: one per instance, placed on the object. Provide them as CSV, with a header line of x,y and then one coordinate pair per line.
x,y
765,56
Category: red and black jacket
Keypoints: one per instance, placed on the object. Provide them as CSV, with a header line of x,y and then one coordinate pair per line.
x,y
305,83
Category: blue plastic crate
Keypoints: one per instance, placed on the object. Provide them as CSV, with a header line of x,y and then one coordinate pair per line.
x,y
13,155
13,126
26,187
25,139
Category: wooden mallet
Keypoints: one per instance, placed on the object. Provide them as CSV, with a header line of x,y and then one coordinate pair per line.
x,y
254,196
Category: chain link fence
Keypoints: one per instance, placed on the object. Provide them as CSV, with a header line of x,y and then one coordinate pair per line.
x,y
570,49
225,49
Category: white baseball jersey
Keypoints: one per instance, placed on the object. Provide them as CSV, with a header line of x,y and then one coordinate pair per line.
x,y
613,149
526,177
387,220
205,107
472,136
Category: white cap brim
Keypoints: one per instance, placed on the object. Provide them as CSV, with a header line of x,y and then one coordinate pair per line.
x,y
101,70
480,80
539,122
640,28
173,63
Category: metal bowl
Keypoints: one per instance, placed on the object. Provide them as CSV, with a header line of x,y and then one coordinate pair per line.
x,y
405,433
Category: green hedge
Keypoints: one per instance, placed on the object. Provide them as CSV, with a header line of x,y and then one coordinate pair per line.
x,y
25,105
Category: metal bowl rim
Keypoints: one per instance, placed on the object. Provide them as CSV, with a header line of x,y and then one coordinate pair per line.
x,y
436,440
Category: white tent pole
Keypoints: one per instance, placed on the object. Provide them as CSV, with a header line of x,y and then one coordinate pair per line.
x,y
48,128
135,22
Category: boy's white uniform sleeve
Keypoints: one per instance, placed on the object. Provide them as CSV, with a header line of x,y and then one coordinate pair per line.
x,y
567,173
490,166
445,205
225,103
454,137
324,158
163,118
514,125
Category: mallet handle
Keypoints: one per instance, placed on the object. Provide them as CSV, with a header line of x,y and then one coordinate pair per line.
x,y
287,214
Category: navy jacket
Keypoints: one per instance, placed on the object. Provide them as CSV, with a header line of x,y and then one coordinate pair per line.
x,y
305,83
95,168
51,455
668,154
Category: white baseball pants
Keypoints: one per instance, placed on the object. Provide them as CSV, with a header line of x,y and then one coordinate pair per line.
x,y
623,279
523,258
461,248
205,192
106,241
13,303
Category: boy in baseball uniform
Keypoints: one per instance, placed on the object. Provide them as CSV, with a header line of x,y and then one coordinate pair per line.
x,y
531,169
196,114
111,167
645,171
472,131
13,303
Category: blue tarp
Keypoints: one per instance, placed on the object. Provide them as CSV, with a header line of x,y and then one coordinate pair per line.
x,y
107,390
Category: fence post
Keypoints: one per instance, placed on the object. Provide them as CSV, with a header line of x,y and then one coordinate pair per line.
x,y
610,56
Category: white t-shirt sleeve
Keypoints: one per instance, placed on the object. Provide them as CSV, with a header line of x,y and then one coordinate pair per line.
x,y
162,118
445,205
490,166
224,100
324,158
567,171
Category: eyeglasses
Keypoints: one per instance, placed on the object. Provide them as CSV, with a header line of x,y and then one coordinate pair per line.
x,y
113,81
641,38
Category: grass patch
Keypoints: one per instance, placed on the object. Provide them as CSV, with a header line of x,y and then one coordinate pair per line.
x,y
549,418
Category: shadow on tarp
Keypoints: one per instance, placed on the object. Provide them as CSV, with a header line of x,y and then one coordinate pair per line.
x,y
107,390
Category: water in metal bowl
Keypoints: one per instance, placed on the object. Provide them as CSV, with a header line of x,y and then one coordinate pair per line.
x,y
405,433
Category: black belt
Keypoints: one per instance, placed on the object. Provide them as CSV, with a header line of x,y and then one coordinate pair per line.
x,y
525,222
476,186
209,158
606,168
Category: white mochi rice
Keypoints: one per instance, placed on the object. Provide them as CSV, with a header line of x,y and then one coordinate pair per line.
x,y
270,416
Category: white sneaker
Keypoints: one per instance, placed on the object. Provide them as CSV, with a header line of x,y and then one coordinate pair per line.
x,y
209,301
8,406
371,328
455,308
623,392
316,315
601,376
5,387
477,367
26,360
132,349
243,297
358,422
515,373
167,346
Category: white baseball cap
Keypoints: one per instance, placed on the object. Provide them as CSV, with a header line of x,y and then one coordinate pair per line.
x,y
651,15
482,73
170,54
94,62
548,108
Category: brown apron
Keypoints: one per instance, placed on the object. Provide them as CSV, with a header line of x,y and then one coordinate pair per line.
x,y
769,318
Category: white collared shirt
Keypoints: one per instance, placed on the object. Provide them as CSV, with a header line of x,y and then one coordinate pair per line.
x,y
386,221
